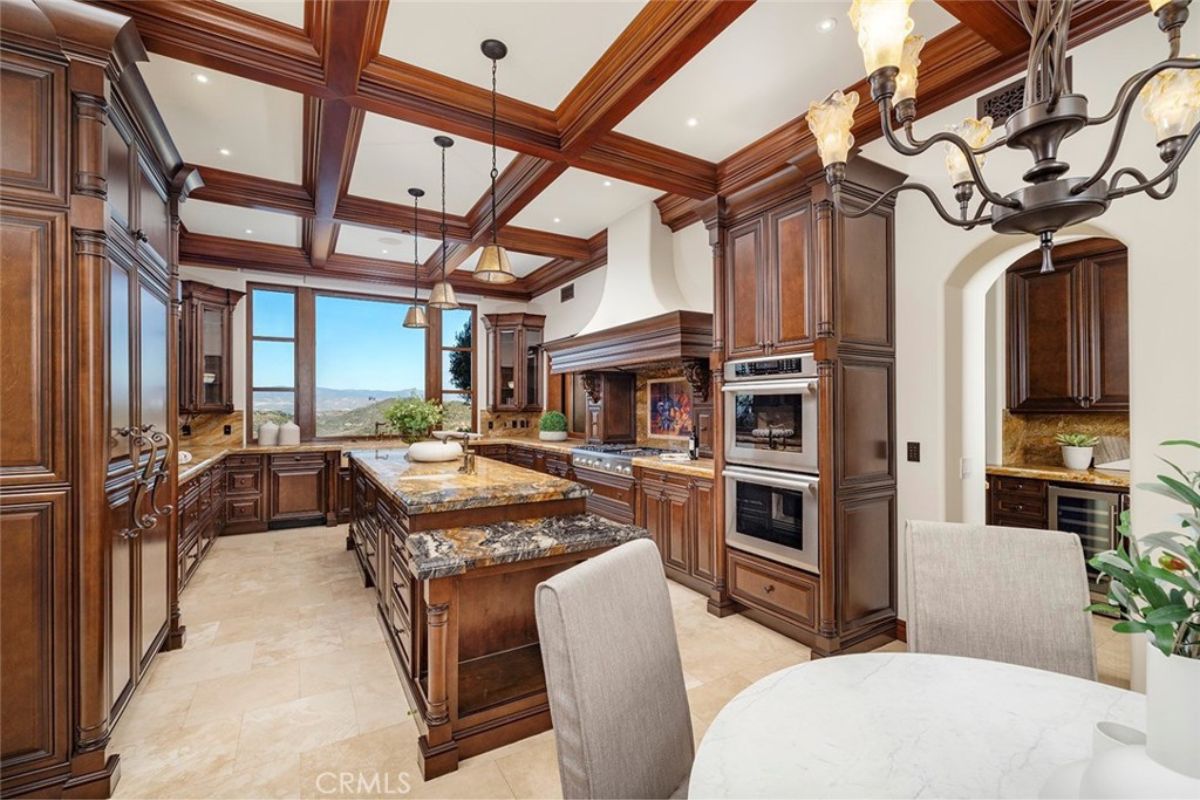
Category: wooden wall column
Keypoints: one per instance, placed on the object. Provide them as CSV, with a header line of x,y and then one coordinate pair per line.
x,y
437,749
177,631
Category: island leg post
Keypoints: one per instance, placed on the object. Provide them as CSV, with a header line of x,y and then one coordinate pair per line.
x,y
437,750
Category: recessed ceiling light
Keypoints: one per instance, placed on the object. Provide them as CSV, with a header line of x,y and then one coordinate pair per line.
x,y
249,230
385,251
692,122
608,183
558,219
201,77
224,151
827,24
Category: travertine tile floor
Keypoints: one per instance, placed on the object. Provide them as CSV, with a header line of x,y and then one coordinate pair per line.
x,y
285,685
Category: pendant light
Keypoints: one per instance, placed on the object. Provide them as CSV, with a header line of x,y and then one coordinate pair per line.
x,y
442,295
493,265
416,316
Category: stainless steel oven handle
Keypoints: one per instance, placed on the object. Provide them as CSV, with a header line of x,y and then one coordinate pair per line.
x,y
772,387
782,481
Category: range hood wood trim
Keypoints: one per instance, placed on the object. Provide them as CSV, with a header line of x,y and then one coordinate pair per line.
x,y
674,336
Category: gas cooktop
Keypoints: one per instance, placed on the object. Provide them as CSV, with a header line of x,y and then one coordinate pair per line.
x,y
611,457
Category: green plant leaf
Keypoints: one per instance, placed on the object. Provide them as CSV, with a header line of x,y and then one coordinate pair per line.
x,y
1187,442
1130,626
1158,573
1103,608
1168,615
1182,490
1164,638
1165,541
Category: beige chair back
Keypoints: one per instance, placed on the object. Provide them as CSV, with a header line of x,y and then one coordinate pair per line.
x,y
617,696
1007,594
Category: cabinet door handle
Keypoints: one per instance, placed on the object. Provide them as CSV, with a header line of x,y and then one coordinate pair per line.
x,y
140,235
770,587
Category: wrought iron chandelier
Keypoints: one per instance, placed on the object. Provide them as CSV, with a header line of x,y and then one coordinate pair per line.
x,y
1050,200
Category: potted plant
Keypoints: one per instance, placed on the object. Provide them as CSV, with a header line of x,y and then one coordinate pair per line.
x,y
1155,587
553,426
413,418
1077,449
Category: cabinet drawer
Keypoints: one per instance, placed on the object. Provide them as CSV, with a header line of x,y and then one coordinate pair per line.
x,y
1017,521
1026,506
243,509
297,458
243,461
1031,487
243,482
773,588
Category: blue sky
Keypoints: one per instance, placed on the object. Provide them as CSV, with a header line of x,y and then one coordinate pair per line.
x,y
360,344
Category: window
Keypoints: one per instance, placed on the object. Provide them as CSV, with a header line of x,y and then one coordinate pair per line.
x,y
334,361
458,384
272,359
365,360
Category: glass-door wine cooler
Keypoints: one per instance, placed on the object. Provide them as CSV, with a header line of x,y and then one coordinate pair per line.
x,y
1091,515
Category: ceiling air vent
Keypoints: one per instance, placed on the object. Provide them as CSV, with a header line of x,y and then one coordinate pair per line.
x,y
1007,100
566,293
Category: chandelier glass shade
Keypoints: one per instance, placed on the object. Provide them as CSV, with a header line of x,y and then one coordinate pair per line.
x,y
1050,200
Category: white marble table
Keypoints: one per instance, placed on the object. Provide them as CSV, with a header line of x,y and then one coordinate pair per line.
x,y
903,725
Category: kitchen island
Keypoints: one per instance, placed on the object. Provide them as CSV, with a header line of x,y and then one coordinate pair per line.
x,y
454,559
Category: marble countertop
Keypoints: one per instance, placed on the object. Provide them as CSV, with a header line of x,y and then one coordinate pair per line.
x,y
700,468
904,725
205,457
1095,477
443,553
425,488
565,446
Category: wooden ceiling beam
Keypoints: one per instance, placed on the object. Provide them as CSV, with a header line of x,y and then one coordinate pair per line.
x,y
619,156
249,191
562,270
991,20
544,243
522,180
663,37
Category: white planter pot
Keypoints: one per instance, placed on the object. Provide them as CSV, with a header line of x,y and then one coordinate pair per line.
x,y
289,433
268,434
1076,457
552,436
1173,711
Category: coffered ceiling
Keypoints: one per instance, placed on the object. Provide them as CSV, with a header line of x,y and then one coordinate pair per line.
x,y
309,119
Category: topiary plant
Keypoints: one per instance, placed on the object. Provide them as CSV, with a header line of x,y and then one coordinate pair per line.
x,y
413,418
553,422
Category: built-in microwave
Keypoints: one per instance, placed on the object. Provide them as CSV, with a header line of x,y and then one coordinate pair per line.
x,y
773,515
771,412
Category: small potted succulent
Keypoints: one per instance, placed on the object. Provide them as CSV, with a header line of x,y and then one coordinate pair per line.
x,y
553,427
1077,449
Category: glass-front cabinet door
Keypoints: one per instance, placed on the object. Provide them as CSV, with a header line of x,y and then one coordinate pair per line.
x,y
515,351
506,368
533,368
205,345
213,335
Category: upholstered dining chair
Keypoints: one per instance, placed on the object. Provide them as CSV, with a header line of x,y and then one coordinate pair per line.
x,y
1006,594
613,675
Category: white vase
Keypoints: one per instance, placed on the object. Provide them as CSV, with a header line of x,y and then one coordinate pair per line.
x,y
1076,457
1173,711
289,433
268,434
552,436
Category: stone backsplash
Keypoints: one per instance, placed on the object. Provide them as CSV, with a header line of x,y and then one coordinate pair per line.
x,y
508,423
208,430
1029,438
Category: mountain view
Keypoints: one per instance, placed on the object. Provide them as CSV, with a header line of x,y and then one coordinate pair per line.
x,y
339,412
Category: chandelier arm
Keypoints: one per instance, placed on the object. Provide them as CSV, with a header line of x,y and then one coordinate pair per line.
x,y
895,190
994,144
885,113
1147,185
1123,116
1118,102
1148,188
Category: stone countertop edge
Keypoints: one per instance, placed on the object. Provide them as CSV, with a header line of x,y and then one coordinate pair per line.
x,y
211,455
455,551
1092,477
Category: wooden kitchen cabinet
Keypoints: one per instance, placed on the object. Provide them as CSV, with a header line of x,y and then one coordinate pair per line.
x,y
515,358
678,512
206,348
299,487
1068,330
201,518
611,407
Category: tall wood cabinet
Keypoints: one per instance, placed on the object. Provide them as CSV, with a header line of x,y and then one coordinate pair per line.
x,y
1068,330
515,361
793,275
206,348
89,184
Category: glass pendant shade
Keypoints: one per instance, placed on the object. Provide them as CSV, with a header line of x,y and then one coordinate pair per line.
x,y
416,317
494,266
882,27
830,121
910,59
975,132
1171,102
442,296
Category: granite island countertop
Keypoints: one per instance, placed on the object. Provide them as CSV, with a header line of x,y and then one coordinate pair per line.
x,y
205,457
1094,477
454,551
426,488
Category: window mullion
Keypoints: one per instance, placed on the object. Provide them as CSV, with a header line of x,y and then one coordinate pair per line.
x,y
306,358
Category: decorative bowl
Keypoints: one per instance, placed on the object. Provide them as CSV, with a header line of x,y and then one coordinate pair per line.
x,y
434,451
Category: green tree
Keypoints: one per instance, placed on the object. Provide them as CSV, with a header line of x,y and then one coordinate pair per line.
x,y
460,360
